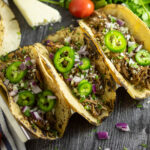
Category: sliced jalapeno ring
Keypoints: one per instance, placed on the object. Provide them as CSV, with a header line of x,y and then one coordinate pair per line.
x,y
143,57
44,102
84,88
64,59
14,74
115,41
26,98
85,64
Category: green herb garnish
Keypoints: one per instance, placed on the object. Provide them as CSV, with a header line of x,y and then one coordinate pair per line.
x,y
144,145
139,106
124,148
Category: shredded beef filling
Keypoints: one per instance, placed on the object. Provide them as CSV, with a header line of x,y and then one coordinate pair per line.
x,y
124,62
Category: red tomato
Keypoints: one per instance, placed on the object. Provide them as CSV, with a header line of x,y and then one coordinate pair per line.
x,y
81,8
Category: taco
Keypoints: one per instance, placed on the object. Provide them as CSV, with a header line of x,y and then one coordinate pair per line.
x,y
33,100
123,40
78,69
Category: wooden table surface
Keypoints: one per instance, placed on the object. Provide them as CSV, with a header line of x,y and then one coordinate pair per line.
x,y
80,135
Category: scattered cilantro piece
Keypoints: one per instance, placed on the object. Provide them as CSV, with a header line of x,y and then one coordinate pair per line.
x,y
4,58
139,106
94,130
144,145
99,148
50,28
124,148
34,28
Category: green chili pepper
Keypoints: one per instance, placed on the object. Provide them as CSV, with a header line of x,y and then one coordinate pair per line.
x,y
115,41
85,64
26,98
143,57
84,88
64,59
14,74
44,102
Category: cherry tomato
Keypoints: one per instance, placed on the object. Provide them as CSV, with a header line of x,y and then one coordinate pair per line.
x,y
81,8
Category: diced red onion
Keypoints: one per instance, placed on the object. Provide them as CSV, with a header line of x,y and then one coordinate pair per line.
x,y
6,82
69,79
47,43
27,58
51,55
13,93
51,97
77,79
94,88
24,109
23,66
120,22
33,61
33,83
34,109
81,63
77,60
138,48
103,135
67,39
36,89
123,126
36,115
15,99
82,49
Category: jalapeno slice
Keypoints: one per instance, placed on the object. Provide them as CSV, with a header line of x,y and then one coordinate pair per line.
x,y
85,64
26,98
64,59
115,41
143,57
44,102
13,73
84,88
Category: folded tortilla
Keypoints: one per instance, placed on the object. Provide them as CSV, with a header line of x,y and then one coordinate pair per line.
x,y
61,113
138,30
75,35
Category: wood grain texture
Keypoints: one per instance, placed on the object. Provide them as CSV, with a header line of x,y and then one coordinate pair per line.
x,y
80,135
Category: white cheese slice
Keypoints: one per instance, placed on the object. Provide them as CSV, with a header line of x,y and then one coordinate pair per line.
x,y
10,36
37,13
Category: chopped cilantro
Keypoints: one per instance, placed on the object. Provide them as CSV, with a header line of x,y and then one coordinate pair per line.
x,y
124,148
34,28
4,58
23,51
96,77
50,28
139,106
19,33
99,106
82,99
87,107
120,57
94,130
144,145
62,27
56,148
99,148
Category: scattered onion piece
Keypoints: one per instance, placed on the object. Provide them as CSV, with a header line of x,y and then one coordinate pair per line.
x,y
103,135
36,115
120,22
51,55
51,97
94,88
6,82
13,93
123,126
